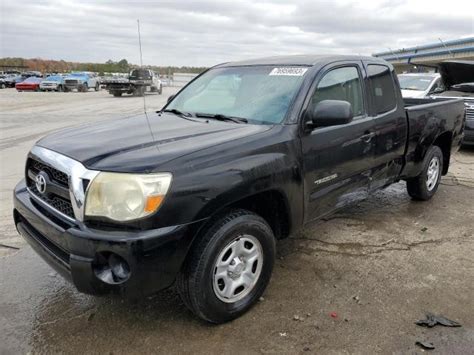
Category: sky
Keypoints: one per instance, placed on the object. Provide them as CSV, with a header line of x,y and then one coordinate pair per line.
x,y
205,33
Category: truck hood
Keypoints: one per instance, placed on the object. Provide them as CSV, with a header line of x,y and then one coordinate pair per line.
x,y
456,72
78,78
127,145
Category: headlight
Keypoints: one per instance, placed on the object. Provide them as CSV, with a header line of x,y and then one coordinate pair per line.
x,y
125,197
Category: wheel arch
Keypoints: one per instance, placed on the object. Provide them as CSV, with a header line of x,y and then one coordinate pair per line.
x,y
278,216
272,205
444,142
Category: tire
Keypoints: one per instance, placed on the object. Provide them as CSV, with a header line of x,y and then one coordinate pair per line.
x,y
97,87
203,292
160,91
424,186
66,89
139,91
60,88
84,87
117,94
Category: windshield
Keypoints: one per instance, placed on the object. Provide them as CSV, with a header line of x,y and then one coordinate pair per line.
x,y
140,74
415,82
260,94
54,78
32,80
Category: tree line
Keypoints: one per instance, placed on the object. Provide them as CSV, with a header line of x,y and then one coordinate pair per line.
x,y
110,66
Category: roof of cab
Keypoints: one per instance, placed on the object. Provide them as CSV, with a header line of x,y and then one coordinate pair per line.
x,y
300,60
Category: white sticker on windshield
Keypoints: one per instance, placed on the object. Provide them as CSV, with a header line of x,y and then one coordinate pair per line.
x,y
288,71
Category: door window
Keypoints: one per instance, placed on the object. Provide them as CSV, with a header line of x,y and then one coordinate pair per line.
x,y
382,88
341,84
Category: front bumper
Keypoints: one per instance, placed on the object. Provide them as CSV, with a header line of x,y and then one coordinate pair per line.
x,y
73,85
468,133
154,257
49,86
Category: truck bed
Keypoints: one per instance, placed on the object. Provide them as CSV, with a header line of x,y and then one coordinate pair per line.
x,y
429,119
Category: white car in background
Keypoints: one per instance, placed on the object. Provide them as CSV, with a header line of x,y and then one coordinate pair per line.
x,y
419,85
52,83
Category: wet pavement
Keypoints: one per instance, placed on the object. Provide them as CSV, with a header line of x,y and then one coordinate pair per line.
x,y
354,283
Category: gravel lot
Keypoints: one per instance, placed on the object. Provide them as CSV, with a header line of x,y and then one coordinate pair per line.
x,y
378,265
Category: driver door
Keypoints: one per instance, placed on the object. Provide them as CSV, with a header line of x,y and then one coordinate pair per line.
x,y
337,160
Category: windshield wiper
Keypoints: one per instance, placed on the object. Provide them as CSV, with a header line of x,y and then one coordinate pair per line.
x,y
221,117
177,112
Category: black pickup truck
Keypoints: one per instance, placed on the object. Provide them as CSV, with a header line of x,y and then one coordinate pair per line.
x,y
197,194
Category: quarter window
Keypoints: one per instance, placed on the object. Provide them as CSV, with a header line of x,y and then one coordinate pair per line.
x,y
341,84
383,91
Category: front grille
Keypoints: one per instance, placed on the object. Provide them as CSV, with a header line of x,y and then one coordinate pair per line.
x,y
469,113
56,175
59,203
71,82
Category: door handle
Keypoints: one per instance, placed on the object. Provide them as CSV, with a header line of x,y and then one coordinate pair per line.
x,y
367,137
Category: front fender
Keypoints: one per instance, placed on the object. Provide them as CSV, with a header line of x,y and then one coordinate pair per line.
x,y
208,191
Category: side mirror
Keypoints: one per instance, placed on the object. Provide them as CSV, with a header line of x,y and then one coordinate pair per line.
x,y
328,113
170,98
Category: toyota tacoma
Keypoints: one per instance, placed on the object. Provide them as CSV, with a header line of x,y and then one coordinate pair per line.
x,y
197,194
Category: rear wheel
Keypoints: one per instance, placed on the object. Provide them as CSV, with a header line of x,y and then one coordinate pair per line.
x,y
229,268
425,185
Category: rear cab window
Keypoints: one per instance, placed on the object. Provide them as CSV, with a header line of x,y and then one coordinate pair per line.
x,y
381,88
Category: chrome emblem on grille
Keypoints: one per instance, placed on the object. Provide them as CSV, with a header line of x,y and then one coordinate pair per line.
x,y
40,182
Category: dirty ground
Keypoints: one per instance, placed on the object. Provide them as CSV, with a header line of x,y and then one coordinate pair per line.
x,y
354,283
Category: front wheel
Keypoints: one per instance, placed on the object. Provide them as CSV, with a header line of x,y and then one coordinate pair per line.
x,y
229,268
425,185
97,87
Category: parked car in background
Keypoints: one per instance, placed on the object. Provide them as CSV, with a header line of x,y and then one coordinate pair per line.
x,y
420,84
11,72
81,82
52,83
29,84
28,74
3,85
458,79
12,80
